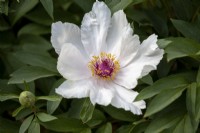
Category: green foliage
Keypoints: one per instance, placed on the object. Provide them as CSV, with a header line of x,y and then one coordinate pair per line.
x,y
29,73
86,111
26,123
172,92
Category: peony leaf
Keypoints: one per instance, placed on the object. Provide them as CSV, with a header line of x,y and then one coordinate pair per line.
x,y
184,126
35,29
17,111
49,98
48,6
163,99
34,127
4,97
87,110
28,74
190,30
65,125
26,123
182,47
45,117
106,128
177,80
36,60
22,8
164,121
120,114
116,5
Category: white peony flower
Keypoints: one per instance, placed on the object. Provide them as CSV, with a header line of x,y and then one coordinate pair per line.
x,y
103,59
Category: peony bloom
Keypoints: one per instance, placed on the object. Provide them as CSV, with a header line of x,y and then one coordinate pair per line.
x,y
103,60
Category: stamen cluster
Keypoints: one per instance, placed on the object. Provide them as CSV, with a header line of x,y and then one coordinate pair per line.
x,y
104,66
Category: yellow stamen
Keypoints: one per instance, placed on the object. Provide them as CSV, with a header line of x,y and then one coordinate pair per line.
x,y
98,68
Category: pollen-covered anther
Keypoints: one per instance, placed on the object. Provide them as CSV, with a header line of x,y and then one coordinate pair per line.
x,y
104,66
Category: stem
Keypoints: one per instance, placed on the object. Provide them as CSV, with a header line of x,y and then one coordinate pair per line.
x,y
195,14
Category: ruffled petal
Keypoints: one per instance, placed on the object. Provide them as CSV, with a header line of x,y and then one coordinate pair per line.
x,y
121,41
62,33
101,93
74,89
94,28
125,99
72,63
146,60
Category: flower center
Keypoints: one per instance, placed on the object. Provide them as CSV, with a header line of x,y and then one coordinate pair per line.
x,y
104,66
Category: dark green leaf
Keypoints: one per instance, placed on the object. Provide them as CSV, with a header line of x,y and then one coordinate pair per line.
x,y
183,9
22,8
191,99
17,111
198,102
190,30
87,110
48,6
31,45
53,105
116,5
125,129
45,117
4,25
164,67
198,76
36,60
179,127
191,103
97,118
34,127
26,123
147,79
75,108
49,98
158,20
88,130
29,73
35,29
23,113
119,114
175,81
4,7
141,127
163,43
43,18
8,126
107,128
85,5
164,121
184,126
8,89
182,47
65,125
163,99
4,97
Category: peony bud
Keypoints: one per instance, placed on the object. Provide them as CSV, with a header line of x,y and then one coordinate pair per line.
x,y
27,99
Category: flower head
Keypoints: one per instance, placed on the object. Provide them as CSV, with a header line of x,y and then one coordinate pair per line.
x,y
103,59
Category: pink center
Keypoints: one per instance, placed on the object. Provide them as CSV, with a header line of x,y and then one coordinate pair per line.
x,y
104,68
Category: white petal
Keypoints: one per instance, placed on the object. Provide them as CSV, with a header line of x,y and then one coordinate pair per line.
x,y
94,28
72,63
74,89
121,41
63,33
146,60
102,93
124,99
